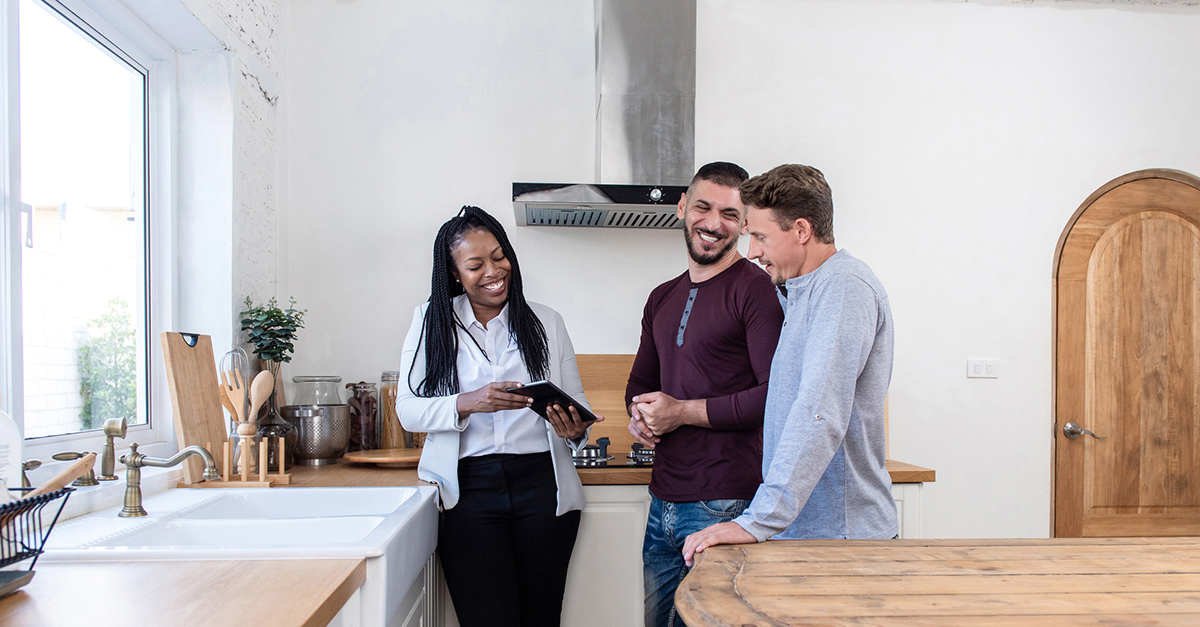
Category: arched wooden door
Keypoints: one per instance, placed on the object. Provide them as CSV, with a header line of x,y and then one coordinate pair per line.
x,y
1127,360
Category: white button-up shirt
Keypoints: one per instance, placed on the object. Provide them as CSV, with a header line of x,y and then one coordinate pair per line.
x,y
517,431
438,416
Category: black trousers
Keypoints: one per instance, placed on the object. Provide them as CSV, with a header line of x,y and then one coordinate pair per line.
x,y
504,552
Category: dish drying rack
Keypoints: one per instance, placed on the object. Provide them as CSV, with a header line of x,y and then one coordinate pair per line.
x,y
22,535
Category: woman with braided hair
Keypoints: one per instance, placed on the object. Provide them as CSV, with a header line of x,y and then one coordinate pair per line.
x,y
510,496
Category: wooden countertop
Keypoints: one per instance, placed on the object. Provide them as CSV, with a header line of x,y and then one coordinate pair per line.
x,y
907,473
279,593
287,592
345,473
935,583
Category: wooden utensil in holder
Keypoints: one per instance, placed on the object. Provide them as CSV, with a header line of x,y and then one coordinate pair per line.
x,y
260,391
244,478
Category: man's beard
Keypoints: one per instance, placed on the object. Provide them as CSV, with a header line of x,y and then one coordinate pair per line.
x,y
706,259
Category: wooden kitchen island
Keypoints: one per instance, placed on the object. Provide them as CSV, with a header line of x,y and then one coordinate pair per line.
x,y
1078,581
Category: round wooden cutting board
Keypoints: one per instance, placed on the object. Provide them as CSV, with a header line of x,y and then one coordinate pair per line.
x,y
388,457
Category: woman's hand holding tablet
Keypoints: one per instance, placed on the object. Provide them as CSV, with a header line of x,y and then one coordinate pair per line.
x,y
545,394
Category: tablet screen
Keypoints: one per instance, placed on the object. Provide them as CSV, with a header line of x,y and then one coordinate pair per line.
x,y
545,393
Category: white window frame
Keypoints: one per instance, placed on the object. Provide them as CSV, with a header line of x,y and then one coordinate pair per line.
x,y
111,21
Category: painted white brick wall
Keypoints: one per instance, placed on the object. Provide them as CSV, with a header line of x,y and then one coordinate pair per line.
x,y
255,219
254,23
247,28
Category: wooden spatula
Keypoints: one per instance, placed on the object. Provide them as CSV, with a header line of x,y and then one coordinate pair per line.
x,y
227,403
235,388
235,393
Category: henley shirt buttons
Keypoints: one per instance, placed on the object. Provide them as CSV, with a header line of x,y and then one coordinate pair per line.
x,y
818,416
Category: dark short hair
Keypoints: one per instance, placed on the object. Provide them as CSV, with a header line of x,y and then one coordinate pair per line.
x,y
722,173
792,192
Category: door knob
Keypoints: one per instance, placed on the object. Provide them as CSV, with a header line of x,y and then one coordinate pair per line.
x,y
1072,431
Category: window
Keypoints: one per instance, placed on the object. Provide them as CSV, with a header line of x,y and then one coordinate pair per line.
x,y
83,230
85,85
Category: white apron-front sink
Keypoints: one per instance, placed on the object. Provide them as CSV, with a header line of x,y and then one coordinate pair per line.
x,y
395,529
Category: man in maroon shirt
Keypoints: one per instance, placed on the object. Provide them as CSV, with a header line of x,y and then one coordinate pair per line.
x,y
699,383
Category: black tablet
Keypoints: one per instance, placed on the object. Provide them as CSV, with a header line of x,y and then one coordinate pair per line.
x,y
545,393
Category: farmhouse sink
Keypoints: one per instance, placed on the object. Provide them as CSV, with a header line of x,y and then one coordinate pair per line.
x,y
183,533
395,529
303,503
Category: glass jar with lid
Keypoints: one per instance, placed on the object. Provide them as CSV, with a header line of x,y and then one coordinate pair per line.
x,y
391,434
364,417
317,390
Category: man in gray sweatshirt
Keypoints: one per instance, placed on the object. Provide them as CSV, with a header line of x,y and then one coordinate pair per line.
x,y
823,438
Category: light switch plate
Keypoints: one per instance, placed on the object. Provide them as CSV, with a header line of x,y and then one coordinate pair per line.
x,y
983,368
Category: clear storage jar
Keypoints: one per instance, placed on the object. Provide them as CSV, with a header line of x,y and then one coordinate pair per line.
x,y
321,390
392,435
364,417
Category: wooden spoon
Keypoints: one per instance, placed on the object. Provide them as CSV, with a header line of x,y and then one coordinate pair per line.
x,y
260,391
73,472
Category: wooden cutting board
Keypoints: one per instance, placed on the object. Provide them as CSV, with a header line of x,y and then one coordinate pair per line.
x,y
192,379
388,457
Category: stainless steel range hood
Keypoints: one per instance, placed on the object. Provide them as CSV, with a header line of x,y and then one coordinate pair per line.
x,y
630,206
645,123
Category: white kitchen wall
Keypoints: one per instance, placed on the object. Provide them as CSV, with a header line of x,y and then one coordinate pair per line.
x,y
958,138
398,114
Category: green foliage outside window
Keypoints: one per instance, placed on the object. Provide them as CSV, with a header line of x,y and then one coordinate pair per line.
x,y
107,367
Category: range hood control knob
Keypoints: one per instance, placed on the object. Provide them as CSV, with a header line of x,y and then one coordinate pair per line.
x,y
656,194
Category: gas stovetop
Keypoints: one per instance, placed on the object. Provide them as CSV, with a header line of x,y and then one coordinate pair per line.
x,y
641,456
596,456
593,455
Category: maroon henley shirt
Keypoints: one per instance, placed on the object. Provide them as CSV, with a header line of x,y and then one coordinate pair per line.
x,y
712,340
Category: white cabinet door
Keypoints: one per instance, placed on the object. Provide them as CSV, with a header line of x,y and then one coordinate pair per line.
x,y
604,583
908,508
419,607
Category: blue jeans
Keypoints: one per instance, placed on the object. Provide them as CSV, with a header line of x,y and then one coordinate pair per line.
x,y
662,551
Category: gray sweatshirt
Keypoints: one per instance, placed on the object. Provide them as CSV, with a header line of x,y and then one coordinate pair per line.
x,y
823,442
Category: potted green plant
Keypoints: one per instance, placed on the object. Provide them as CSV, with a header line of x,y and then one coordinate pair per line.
x,y
272,331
